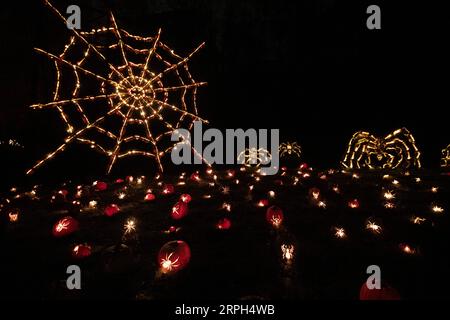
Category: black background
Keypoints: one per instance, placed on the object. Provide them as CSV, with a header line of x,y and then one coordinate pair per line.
x,y
310,68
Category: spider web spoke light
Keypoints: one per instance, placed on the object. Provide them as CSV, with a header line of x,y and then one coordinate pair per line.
x,y
83,39
174,66
149,56
54,57
122,50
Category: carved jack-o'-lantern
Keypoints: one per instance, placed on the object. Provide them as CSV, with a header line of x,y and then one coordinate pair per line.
x,y
274,215
179,210
174,256
65,226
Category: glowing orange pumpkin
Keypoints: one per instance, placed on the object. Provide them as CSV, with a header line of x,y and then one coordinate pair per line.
x,y
179,210
174,256
223,224
112,210
384,293
81,251
186,198
263,203
195,176
101,186
168,189
274,215
354,204
149,197
65,226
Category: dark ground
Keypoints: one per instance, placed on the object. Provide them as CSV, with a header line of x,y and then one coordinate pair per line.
x,y
244,261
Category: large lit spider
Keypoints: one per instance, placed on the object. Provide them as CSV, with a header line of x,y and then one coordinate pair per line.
x,y
397,150
445,159
254,157
290,148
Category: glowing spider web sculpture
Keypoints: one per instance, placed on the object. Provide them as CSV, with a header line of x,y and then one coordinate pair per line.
x,y
445,159
397,150
136,91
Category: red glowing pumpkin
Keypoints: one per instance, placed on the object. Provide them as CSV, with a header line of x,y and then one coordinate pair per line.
x,y
274,215
63,192
186,198
174,256
168,189
354,204
149,197
384,293
112,210
100,186
279,182
223,224
65,226
179,210
81,251
119,180
263,203
304,166
195,176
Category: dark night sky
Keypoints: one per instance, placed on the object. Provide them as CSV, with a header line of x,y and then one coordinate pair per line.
x,y
310,68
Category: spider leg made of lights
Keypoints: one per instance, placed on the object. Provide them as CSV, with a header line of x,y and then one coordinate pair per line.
x,y
136,93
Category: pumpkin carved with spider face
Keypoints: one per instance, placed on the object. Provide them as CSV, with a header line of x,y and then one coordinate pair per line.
x,y
174,256
397,150
65,226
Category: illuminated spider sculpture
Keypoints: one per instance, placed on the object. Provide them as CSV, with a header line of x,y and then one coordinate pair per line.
x,y
254,157
290,149
397,150
445,159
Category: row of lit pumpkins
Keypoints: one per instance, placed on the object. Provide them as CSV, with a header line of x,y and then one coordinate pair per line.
x,y
175,255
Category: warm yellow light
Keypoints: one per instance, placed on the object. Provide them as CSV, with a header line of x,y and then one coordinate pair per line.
x,y
287,252
129,226
340,233
372,226
389,195
437,209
